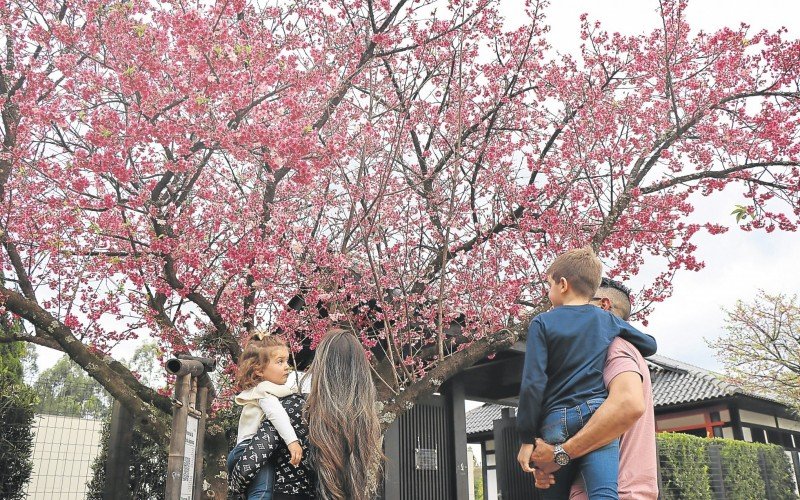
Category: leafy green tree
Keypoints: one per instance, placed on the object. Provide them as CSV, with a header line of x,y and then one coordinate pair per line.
x,y
11,355
762,346
17,403
147,362
65,389
478,475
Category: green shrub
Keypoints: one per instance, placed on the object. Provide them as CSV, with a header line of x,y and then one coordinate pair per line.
x,y
684,467
147,471
17,404
748,469
741,473
778,472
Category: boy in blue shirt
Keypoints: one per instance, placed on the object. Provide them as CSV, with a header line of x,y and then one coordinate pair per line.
x,y
562,382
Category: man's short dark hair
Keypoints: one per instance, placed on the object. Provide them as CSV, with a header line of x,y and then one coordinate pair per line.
x,y
609,283
622,294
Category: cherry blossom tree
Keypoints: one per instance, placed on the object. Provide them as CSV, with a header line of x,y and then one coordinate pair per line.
x,y
761,349
189,170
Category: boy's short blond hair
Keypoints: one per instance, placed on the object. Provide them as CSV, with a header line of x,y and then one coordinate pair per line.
x,y
581,268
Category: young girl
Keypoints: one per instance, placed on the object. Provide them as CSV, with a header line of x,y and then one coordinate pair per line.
x,y
343,430
262,372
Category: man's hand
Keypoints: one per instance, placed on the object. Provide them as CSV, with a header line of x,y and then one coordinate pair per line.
x,y
296,452
546,467
544,479
543,452
524,457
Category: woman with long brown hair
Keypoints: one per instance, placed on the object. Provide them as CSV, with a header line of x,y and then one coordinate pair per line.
x,y
344,432
339,425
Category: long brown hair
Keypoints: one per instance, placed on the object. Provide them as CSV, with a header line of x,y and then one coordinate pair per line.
x,y
343,428
255,356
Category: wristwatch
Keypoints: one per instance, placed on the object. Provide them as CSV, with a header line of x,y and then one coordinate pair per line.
x,y
560,457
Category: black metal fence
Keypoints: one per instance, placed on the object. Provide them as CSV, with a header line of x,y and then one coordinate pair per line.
x,y
512,482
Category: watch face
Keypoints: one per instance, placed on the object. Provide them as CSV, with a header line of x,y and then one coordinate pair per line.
x,y
560,456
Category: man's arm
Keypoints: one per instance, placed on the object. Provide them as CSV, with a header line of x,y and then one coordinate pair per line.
x,y
624,406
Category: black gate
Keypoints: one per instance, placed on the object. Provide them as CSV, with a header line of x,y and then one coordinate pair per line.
x,y
426,450
512,482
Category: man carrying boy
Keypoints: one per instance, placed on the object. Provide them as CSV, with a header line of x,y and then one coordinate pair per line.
x,y
628,409
562,381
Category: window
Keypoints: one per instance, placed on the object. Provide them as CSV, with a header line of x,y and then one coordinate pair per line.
x,y
759,436
696,432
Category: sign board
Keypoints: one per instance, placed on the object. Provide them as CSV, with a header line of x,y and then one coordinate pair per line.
x,y
187,477
426,459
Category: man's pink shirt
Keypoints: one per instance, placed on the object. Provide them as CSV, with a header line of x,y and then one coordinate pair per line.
x,y
638,468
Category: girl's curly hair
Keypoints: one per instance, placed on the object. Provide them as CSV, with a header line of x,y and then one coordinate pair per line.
x,y
256,356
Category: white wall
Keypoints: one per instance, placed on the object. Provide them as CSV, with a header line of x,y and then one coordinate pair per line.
x,y
64,450
751,417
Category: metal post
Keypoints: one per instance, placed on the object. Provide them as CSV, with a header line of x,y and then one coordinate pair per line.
x,y
392,469
193,392
177,441
453,391
762,464
119,454
202,407
716,475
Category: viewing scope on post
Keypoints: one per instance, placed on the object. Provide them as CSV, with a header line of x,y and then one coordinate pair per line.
x,y
194,392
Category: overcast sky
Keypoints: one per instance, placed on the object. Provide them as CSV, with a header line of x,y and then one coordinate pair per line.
x,y
737,263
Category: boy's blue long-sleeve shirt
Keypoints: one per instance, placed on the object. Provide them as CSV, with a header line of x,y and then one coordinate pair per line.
x,y
564,360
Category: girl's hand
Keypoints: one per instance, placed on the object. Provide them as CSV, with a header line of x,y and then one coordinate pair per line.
x,y
297,453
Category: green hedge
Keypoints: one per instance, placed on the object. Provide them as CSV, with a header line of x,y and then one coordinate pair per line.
x,y
748,469
778,472
684,467
17,403
741,471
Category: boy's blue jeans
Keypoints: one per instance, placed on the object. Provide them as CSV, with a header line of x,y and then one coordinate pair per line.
x,y
261,487
598,469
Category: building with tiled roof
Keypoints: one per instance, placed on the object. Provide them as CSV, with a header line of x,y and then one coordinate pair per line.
x,y
687,399
676,383
696,401
481,419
